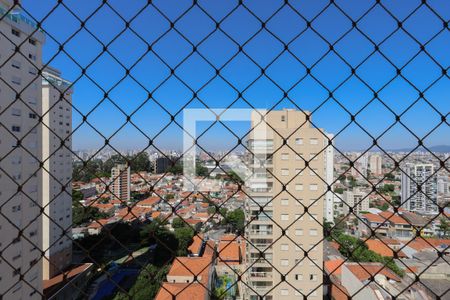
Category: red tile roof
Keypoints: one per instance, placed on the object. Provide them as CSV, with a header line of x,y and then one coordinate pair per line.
x,y
66,276
393,217
229,252
379,247
191,266
196,245
334,266
364,271
182,291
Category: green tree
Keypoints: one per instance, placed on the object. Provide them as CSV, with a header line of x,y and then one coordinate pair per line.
x,y
444,228
147,283
178,223
338,190
84,214
201,170
236,219
233,176
77,196
184,236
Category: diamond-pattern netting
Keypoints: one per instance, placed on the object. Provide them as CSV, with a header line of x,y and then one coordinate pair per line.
x,y
373,73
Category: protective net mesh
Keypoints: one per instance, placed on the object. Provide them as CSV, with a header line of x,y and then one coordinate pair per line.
x,y
112,224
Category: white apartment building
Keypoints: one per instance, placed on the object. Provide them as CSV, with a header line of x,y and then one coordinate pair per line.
x,y
375,165
57,173
356,200
20,153
424,200
290,220
120,183
360,165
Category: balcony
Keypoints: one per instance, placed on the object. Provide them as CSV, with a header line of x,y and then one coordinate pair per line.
x,y
261,275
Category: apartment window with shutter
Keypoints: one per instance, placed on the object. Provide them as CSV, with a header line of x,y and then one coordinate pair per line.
x,y
15,32
299,187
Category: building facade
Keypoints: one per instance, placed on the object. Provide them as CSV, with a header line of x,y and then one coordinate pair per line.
x,y
356,200
20,150
375,165
57,173
286,206
162,165
421,200
121,183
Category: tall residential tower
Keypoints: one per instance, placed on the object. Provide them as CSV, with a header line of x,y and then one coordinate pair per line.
x,y
120,182
286,222
57,173
423,200
20,153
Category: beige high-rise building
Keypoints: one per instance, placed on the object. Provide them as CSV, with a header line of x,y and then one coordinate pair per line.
x,y
287,223
121,182
20,153
57,173
375,165
357,200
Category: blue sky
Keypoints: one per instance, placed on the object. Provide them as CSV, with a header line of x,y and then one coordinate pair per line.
x,y
195,72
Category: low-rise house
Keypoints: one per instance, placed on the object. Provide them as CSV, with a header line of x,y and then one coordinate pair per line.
x,y
398,226
372,222
384,249
188,278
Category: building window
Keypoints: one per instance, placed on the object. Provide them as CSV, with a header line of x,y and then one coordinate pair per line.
x,y
284,262
299,187
313,141
284,292
284,156
15,32
284,217
313,277
283,118
299,277
284,172
299,141
313,187
16,272
15,128
32,115
299,232
284,202
16,80
313,232
16,112
32,41
284,247
15,64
